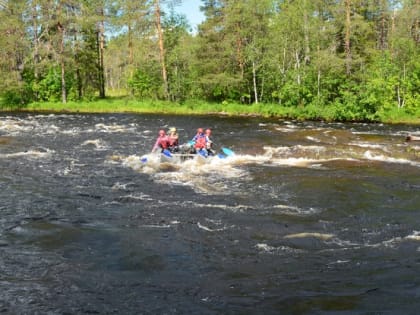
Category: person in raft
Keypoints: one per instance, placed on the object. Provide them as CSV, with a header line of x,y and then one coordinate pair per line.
x,y
173,140
199,142
209,142
162,142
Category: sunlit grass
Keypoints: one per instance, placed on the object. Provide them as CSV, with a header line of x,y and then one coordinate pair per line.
x,y
124,104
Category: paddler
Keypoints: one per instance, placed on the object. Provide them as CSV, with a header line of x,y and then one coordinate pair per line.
x,y
209,142
173,140
200,142
162,142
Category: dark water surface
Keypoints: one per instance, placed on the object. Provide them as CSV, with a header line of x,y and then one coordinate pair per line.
x,y
306,218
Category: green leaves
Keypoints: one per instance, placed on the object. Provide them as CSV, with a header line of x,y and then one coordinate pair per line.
x,y
345,60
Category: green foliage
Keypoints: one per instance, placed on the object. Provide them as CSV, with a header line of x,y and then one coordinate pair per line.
x,y
276,58
16,97
49,88
143,85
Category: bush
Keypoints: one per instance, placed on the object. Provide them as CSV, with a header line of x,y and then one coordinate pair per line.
x,y
16,97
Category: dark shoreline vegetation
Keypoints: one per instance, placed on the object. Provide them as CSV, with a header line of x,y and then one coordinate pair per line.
x,y
198,107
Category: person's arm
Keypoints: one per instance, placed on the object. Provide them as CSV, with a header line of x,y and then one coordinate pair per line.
x,y
156,145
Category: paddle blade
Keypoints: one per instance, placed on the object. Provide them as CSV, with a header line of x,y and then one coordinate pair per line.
x,y
167,153
228,152
143,160
221,156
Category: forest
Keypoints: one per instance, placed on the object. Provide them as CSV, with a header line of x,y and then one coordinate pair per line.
x,y
352,60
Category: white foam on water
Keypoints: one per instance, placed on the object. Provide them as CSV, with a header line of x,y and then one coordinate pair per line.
x,y
236,208
29,153
156,226
119,186
368,145
113,128
343,244
203,176
150,166
297,156
373,132
312,156
16,126
51,129
66,171
282,129
275,156
138,197
208,229
413,237
99,144
296,211
368,155
267,249
392,243
250,159
338,262
313,139
320,236
297,162
282,150
36,125
209,175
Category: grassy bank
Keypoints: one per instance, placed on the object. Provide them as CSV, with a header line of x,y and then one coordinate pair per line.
x,y
127,105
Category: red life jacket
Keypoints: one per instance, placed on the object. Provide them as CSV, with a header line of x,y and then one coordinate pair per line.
x,y
200,142
163,142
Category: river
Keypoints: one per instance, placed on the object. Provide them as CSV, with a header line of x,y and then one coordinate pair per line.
x,y
306,218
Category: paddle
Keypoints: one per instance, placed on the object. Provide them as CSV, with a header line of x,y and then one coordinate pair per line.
x,y
228,152
143,160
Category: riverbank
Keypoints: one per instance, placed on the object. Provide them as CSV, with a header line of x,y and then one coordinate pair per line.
x,y
128,105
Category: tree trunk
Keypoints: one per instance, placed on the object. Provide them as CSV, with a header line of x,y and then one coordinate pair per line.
x,y
130,46
79,82
347,37
254,80
61,31
161,50
415,27
383,26
297,67
239,53
318,79
101,48
130,55
63,72
307,57
36,46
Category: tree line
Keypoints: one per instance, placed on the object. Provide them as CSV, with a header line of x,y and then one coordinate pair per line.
x,y
360,57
